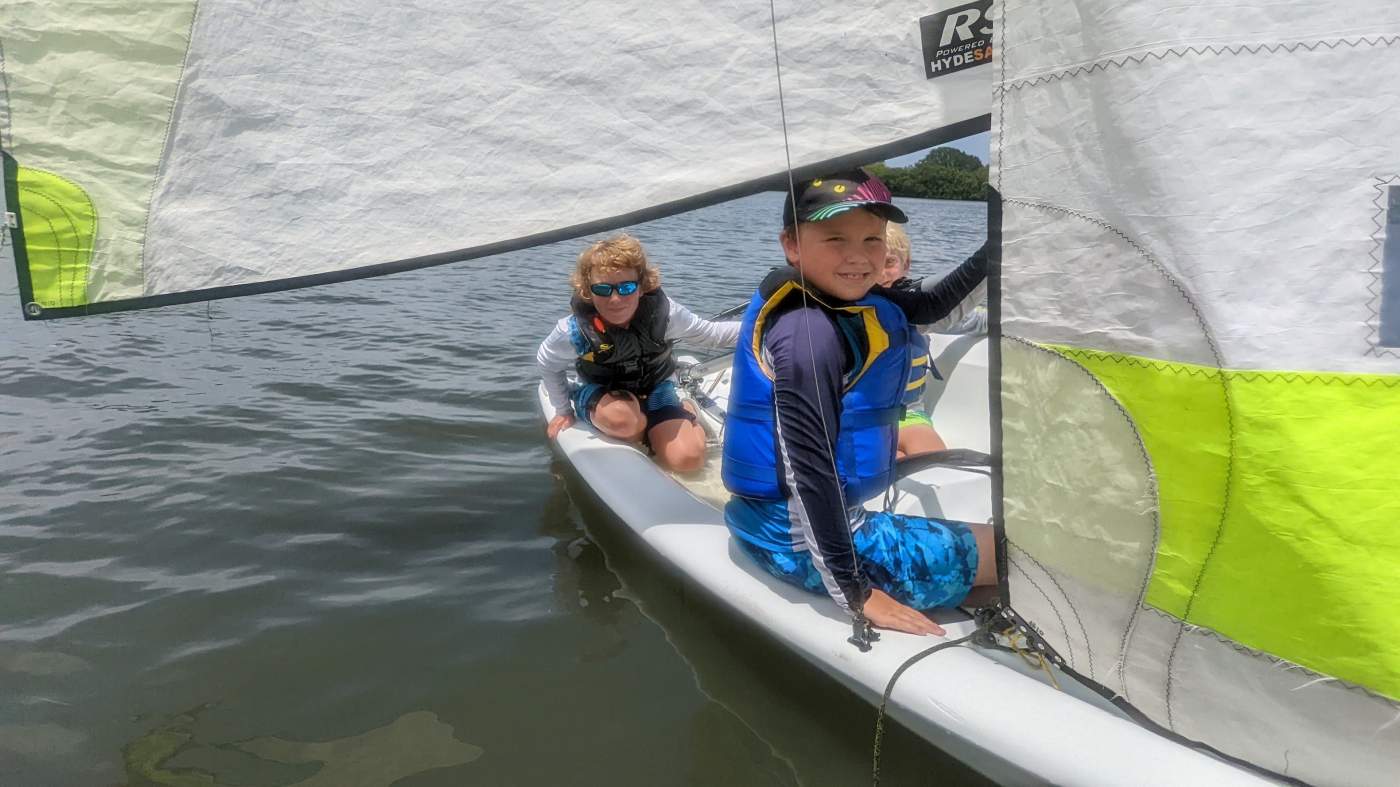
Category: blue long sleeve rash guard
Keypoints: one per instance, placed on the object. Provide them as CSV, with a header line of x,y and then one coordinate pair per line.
x,y
809,360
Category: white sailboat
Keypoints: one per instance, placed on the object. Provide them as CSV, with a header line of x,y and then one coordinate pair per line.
x,y
1191,381
993,709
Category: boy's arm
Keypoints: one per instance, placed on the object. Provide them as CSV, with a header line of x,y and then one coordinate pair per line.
x,y
556,355
949,299
685,325
806,355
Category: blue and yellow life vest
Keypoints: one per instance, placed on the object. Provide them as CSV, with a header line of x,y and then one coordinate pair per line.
x,y
871,403
920,366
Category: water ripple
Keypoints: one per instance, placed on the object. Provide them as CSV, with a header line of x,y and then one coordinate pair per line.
x,y
322,506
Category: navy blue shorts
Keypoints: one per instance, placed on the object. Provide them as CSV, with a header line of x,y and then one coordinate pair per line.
x,y
922,563
661,404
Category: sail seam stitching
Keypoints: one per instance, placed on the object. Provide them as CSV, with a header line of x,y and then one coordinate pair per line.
x,y
1089,649
1209,336
66,295
8,140
66,273
1053,608
1245,375
1131,627
1374,346
1218,50
1000,53
1256,653
165,142
54,232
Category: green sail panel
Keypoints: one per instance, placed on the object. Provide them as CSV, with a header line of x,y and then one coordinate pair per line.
x,y
1298,560
59,225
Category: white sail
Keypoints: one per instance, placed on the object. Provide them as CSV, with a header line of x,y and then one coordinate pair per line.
x,y
174,150
1199,411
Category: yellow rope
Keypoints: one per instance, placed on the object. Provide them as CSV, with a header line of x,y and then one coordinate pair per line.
x,y
1033,658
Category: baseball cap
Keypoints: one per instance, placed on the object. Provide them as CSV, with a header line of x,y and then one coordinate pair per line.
x,y
821,198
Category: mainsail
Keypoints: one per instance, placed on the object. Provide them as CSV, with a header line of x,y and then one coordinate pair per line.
x,y
168,150
1200,411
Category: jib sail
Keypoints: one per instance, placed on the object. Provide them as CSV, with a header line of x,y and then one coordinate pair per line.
x,y
1200,411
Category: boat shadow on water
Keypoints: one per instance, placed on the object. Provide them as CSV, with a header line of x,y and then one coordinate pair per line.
x,y
819,730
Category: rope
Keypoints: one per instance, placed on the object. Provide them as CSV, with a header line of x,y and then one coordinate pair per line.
x,y
889,689
1033,658
861,636
1015,638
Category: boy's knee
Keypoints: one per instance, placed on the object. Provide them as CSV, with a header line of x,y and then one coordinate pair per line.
x,y
687,458
686,453
619,417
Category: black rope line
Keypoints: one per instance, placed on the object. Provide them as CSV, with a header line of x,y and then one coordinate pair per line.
x,y
862,632
889,689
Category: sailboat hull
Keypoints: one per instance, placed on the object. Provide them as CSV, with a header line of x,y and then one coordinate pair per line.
x,y
988,710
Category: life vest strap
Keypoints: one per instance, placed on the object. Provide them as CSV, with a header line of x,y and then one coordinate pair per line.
x,y
861,419
864,419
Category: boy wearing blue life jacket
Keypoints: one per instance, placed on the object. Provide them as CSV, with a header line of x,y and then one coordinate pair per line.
x,y
817,392
618,339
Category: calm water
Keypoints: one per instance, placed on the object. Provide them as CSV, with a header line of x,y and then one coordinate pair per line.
x,y
318,538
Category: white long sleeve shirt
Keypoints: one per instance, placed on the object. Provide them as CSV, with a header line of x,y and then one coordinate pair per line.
x,y
557,356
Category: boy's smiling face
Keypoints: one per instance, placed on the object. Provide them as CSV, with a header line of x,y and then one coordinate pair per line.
x,y
843,256
616,309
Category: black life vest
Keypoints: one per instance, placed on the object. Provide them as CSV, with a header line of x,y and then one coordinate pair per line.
x,y
633,359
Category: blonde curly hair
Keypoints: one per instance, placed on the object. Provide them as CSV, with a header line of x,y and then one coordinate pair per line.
x,y
620,252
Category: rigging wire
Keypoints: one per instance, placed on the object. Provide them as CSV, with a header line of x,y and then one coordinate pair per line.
x,y
862,633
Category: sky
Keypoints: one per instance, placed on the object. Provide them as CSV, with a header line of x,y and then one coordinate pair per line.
x,y
978,145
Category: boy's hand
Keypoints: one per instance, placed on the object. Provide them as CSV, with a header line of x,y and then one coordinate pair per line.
x,y
558,424
885,612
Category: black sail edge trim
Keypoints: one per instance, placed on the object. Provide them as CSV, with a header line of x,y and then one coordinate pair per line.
x,y
1144,721
994,368
776,181
21,253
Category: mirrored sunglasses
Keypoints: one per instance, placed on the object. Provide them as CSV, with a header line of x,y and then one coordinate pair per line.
x,y
604,290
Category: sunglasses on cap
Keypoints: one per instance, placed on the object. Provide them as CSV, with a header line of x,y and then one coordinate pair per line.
x,y
624,289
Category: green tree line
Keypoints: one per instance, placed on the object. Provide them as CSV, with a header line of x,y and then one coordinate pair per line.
x,y
945,173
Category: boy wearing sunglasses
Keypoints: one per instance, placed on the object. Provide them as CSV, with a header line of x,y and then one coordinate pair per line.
x,y
619,338
822,364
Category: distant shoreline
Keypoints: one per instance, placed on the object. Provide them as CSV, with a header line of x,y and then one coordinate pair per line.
x,y
945,173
